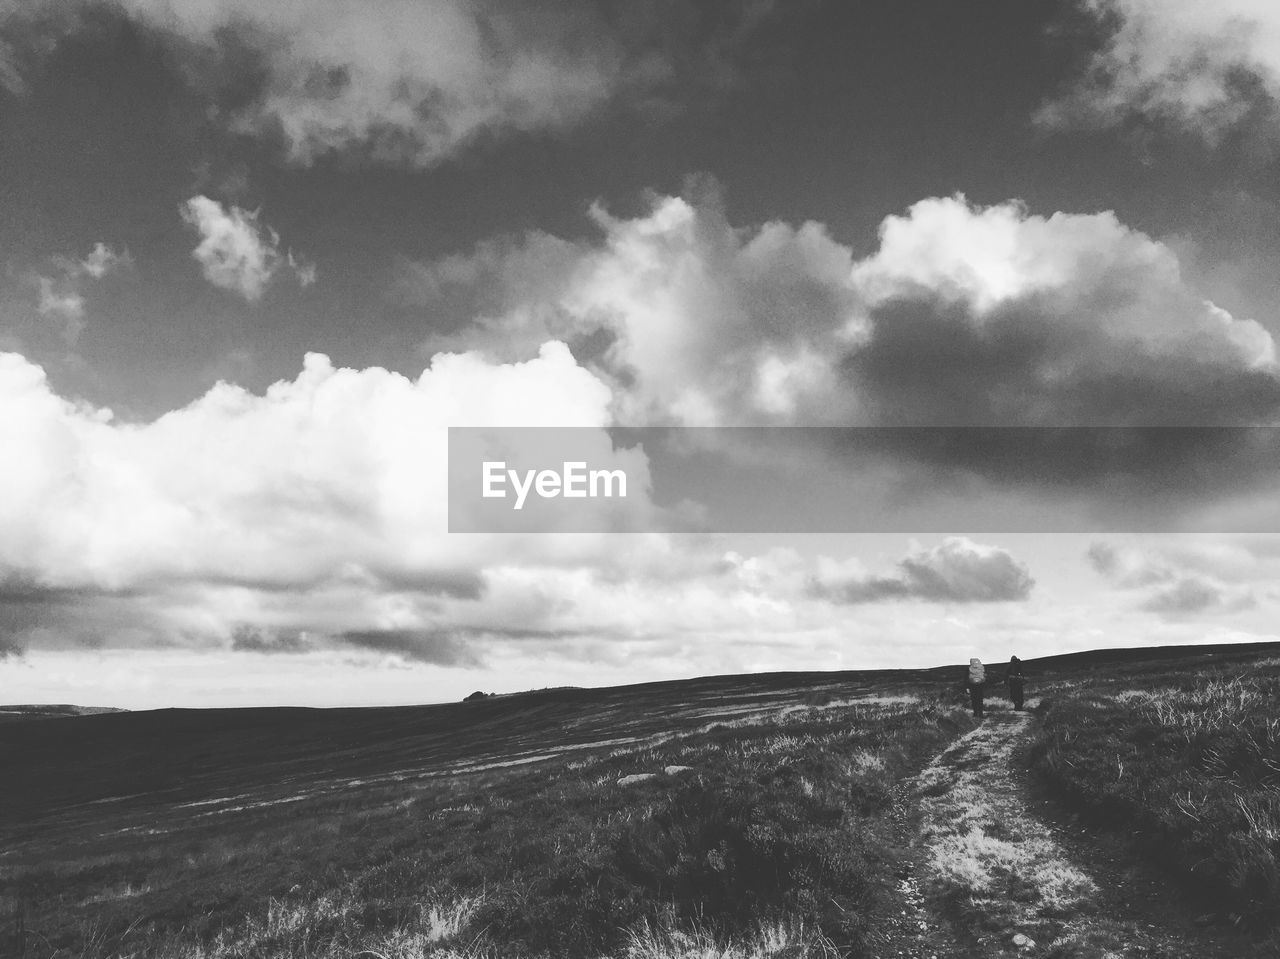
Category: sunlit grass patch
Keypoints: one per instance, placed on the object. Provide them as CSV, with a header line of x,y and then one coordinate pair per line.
x,y
988,859
779,939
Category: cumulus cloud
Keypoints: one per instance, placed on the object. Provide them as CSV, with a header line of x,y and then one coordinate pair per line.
x,y
333,470
693,321
238,253
312,519
1202,67
415,81
320,505
996,316
964,315
956,571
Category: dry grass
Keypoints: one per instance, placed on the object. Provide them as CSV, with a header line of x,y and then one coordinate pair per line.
x,y
1190,764
991,862
779,939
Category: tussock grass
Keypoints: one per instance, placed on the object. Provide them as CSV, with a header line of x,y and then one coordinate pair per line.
x,y
786,938
1191,764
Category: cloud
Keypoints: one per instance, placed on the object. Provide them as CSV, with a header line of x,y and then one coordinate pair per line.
x,y
59,301
956,571
965,315
102,260
996,316
61,295
238,253
312,519
413,82
303,269
1197,594
254,639
441,647
320,505
1200,67
691,320
1182,580
10,73
333,468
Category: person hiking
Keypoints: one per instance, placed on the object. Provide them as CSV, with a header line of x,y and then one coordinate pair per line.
x,y
1014,679
976,683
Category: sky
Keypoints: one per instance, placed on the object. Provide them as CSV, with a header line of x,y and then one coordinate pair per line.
x,y
256,258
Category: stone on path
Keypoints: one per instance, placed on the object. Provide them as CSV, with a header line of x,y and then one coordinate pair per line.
x,y
636,778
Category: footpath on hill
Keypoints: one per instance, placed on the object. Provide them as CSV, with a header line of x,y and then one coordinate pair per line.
x,y
994,869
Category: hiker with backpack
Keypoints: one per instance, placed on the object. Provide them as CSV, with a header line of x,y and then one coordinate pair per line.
x,y
1014,679
976,683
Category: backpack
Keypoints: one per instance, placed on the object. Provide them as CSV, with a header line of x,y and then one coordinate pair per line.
x,y
977,673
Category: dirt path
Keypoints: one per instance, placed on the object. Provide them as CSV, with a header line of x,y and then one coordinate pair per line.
x,y
992,874
915,929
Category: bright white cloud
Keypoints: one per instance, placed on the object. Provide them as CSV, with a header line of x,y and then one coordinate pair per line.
x,y
238,253
336,470
1203,67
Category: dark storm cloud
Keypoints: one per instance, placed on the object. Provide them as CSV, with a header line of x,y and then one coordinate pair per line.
x,y
931,361
440,647
957,571
1120,468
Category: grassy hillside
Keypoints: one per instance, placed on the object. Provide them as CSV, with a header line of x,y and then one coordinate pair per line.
x,y
505,826
727,817
10,714
1186,755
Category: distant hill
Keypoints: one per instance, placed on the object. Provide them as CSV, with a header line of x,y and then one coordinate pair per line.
x,y
9,714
